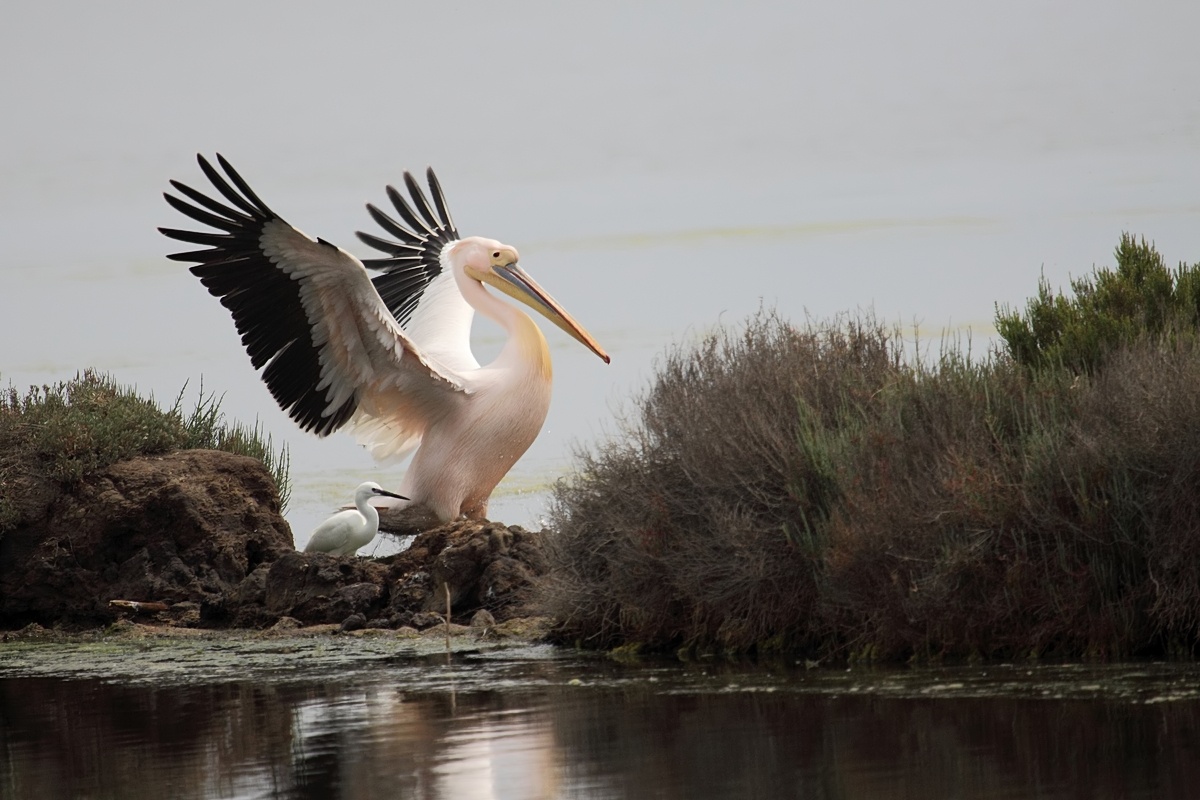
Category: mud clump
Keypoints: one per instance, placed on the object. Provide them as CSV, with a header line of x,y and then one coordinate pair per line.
x,y
186,527
472,564
195,539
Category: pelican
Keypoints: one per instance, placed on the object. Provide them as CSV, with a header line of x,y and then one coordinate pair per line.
x,y
386,357
346,531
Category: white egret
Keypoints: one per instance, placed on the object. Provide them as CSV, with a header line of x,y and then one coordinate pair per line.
x,y
346,531
389,357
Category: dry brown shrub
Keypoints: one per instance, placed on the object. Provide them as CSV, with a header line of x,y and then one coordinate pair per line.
x,y
704,522
812,489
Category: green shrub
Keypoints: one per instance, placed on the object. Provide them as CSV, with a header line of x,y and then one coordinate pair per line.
x,y
75,428
1109,308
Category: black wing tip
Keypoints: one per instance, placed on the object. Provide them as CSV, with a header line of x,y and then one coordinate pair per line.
x,y
220,160
178,203
228,231
180,234
435,186
414,188
439,202
377,242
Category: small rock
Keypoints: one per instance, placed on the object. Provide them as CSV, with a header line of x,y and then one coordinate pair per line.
x,y
353,623
440,630
525,628
499,540
426,619
31,631
359,596
407,631
320,588
503,579
366,633
483,620
412,590
186,613
286,624
120,626
379,622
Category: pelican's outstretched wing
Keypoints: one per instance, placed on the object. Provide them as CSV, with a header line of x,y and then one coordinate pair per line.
x,y
308,312
423,298
415,260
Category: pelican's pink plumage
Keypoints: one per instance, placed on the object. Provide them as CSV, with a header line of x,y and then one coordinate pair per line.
x,y
387,357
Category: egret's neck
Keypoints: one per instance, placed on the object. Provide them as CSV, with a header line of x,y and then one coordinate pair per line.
x,y
369,513
526,347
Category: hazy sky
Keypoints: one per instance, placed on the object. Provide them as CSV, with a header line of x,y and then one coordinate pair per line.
x,y
110,93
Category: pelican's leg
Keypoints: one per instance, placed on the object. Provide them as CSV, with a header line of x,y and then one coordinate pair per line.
x,y
476,511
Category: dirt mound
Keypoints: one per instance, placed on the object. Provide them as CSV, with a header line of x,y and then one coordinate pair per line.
x,y
196,538
184,527
477,564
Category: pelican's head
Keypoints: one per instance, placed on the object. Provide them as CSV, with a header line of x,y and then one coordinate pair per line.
x,y
494,263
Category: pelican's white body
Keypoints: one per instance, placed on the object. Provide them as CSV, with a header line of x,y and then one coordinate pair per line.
x,y
455,474
474,424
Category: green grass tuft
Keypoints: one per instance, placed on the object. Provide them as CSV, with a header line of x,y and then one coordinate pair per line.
x,y
75,428
205,427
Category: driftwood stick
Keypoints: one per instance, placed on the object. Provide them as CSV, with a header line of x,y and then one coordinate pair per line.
x,y
138,606
447,585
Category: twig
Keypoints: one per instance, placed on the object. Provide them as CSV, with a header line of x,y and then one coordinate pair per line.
x,y
447,585
137,605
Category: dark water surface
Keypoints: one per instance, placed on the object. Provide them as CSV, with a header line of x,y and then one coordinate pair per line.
x,y
365,720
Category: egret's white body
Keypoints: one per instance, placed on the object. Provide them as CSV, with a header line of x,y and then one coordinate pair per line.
x,y
388,357
346,531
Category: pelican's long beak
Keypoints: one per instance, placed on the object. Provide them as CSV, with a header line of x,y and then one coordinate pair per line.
x,y
514,282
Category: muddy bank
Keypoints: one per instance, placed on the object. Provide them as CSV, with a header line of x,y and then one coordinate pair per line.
x,y
162,656
196,539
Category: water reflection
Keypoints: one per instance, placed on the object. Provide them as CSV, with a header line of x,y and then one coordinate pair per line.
x,y
623,732
853,747
383,743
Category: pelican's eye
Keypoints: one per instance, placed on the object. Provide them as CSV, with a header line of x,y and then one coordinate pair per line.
x,y
504,257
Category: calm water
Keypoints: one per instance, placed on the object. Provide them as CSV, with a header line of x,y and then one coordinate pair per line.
x,y
142,722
